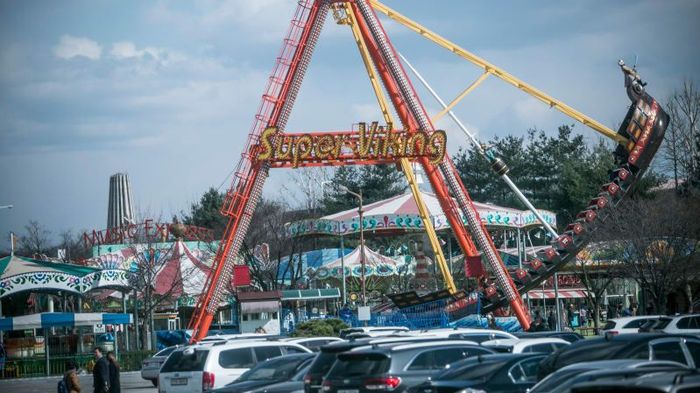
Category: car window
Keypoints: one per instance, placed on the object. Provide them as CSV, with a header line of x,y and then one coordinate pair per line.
x,y
545,348
264,353
669,350
236,358
609,325
559,345
177,361
359,365
662,323
423,361
525,371
683,323
694,349
637,323
292,350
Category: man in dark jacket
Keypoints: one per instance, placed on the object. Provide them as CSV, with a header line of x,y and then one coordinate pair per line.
x,y
100,373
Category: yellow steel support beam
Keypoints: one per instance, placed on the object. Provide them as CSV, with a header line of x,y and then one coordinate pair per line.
x,y
463,94
405,163
492,69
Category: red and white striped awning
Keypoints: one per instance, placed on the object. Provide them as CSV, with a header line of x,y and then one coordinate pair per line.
x,y
563,294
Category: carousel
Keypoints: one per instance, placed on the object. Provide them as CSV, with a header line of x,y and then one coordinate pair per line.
x,y
517,233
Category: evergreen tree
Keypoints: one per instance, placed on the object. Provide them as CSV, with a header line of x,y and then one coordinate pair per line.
x,y
205,213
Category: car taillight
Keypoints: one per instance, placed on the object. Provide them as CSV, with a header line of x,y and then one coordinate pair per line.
x,y
207,381
326,386
307,379
387,383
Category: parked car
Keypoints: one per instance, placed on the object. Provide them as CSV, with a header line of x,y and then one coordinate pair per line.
x,y
650,346
562,379
477,335
658,382
329,353
491,373
294,385
313,343
275,370
655,325
626,325
683,324
151,366
395,367
240,336
568,336
542,345
200,368
373,331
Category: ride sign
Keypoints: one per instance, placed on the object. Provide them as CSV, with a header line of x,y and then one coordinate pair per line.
x,y
369,144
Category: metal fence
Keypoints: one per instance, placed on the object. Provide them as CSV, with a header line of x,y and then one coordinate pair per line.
x,y
36,366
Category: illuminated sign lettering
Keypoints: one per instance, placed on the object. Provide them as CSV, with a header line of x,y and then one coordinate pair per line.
x,y
368,143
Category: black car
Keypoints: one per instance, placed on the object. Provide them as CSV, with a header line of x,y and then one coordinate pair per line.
x,y
660,382
279,369
651,346
492,373
294,385
561,380
395,367
568,336
329,353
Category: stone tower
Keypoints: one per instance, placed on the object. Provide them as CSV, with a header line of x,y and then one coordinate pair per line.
x,y
121,211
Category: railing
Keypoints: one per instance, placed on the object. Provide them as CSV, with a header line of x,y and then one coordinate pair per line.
x,y
36,366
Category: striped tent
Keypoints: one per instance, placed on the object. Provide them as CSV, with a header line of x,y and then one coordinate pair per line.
x,y
48,320
399,214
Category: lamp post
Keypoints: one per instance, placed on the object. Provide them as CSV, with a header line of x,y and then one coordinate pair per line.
x,y
6,207
362,244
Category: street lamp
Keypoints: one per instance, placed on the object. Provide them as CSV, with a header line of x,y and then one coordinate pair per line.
x,y
362,244
6,207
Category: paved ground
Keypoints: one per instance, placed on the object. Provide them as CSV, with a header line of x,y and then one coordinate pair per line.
x,y
131,382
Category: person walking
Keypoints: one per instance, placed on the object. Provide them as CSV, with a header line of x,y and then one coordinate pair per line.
x,y
100,373
71,382
114,384
552,321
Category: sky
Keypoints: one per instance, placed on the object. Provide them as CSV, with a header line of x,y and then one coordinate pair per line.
x,y
166,91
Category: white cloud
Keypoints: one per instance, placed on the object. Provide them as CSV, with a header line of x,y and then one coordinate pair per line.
x,y
70,47
127,50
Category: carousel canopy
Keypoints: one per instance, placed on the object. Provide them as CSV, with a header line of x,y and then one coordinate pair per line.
x,y
375,265
19,274
400,214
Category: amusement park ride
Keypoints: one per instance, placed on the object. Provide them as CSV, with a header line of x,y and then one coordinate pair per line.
x,y
268,146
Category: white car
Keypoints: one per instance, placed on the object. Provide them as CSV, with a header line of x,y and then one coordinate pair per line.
x,y
471,334
626,325
239,336
204,367
313,343
526,345
683,324
373,331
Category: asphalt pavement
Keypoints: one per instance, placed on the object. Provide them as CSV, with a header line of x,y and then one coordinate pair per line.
x,y
130,382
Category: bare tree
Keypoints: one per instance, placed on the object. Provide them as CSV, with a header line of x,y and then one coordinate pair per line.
x,y
597,267
35,242
307,187
681,151
657,242
267,228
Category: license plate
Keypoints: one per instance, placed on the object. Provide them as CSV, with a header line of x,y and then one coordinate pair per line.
x,y
348,391
178,381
